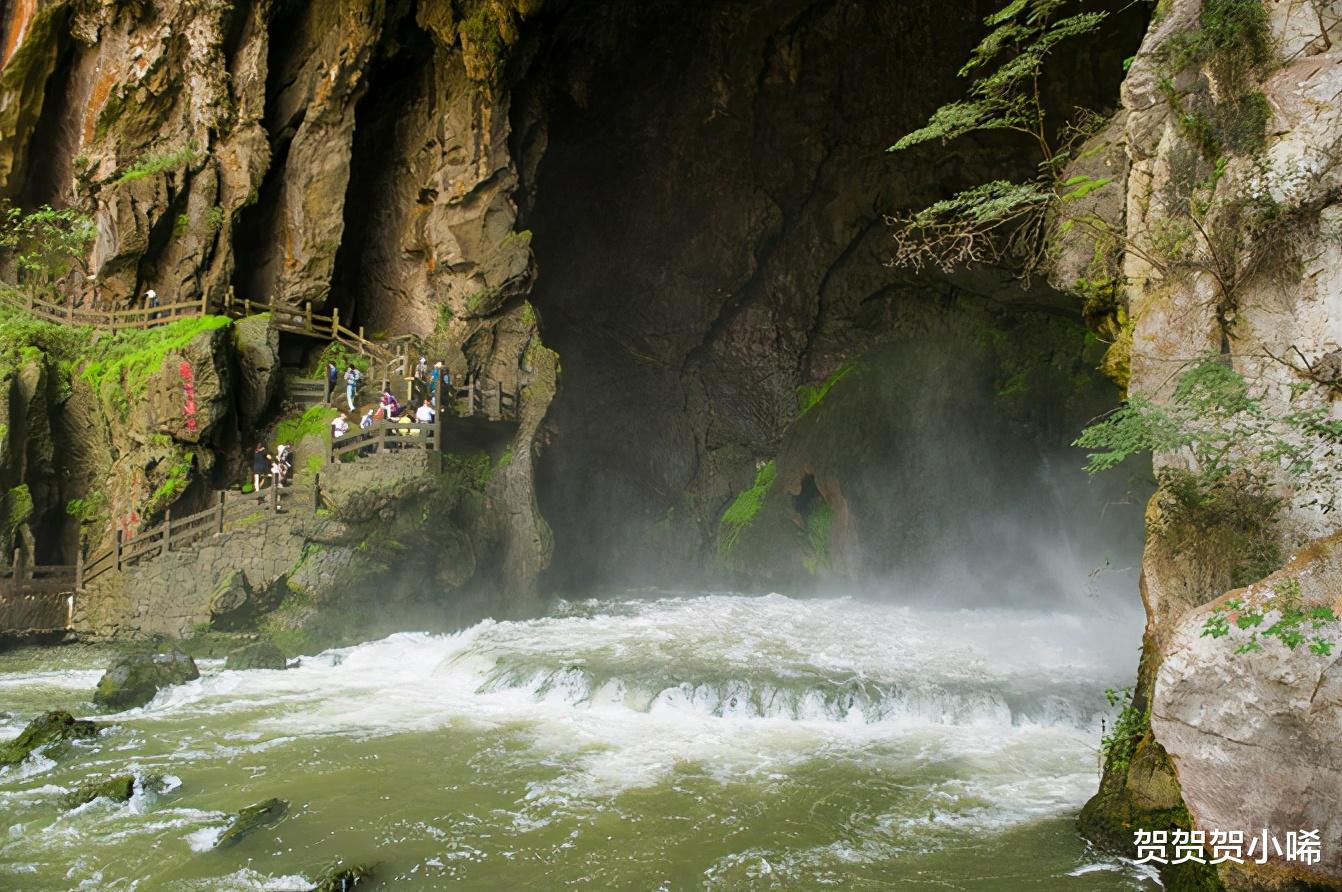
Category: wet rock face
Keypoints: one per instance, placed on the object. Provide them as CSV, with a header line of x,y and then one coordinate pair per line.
x,y
259,655
707,198
1231,720
134,680
251,819
117,789
49,731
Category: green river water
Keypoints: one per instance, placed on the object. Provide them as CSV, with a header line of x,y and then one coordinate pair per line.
x,y
682,742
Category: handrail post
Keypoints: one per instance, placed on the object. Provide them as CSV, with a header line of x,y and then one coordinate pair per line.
x,y
219,524
79,567
363,344
307,316
116,550
335,322
316,491
167,530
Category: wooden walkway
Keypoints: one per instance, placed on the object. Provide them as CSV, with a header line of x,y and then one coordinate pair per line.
x,y
110,319
489,400
178,533
36,599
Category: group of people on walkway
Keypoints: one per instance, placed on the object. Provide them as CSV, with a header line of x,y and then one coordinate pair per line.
x,y
425,383
276,467
389,410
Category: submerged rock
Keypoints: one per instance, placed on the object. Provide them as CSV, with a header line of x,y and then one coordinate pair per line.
x,y
133,680
257,655
251,818
52,728
341,877
118,789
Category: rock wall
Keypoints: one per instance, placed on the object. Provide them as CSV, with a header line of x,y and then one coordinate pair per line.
x,y
1229,721
706,184
1235,143
175,595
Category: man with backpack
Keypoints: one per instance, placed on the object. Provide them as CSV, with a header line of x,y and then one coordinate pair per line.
x,y
353,377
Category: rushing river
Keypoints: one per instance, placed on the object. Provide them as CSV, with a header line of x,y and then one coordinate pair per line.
x,y
712,742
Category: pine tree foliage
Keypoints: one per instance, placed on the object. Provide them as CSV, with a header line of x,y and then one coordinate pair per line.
x,y
1000,219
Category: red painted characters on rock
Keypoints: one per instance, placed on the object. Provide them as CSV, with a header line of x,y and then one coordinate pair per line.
x,y
189,388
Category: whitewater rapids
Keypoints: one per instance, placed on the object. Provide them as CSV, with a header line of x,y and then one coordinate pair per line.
x,y
710,741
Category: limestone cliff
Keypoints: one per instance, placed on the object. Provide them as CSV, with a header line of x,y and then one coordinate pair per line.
x,y
686,202
1227,149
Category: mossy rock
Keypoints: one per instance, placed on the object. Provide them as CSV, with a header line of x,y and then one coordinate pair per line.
x,y
257,655
1146,796
134,679
342,877
252,818
117,789
49,730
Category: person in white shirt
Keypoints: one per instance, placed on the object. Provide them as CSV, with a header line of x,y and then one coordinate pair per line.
x,y
340,425
424,414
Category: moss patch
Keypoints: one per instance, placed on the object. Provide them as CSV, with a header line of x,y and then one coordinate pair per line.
x,y
744,508
18,508
126,361
160,162
315,422
810,395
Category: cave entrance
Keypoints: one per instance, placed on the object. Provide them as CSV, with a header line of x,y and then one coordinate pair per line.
x,y
696,296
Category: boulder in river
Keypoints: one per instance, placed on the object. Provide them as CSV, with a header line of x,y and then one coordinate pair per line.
x,y
117,789
253,817
134,679
342,877
257,655
52,728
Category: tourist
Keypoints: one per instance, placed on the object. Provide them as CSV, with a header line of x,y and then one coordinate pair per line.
x,y
424,414
390,408
366,421
151,302
332,379
260,465
435,379
353,377
339,425
422,369
279,465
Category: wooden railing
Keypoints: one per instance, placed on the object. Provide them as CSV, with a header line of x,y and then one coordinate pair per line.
x,y
177,533
479,398
21,579
302,319
307,392
110,319
385,435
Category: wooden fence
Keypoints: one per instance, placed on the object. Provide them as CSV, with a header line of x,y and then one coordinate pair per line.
x,y
307,392
302,319
177,533
385,435
36,598
110,319
22,579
